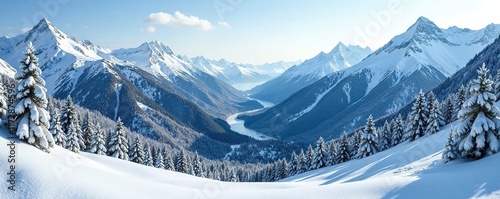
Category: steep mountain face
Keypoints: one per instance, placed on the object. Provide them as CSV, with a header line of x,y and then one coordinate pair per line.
x,y
234,73
6,69
300,76
215,96
420,58
149,101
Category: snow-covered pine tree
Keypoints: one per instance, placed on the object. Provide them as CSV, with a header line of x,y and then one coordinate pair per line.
x,y
354,143
343,153
369,140
3,101
303,167
283,169
136,152
169,163
459,101
477,134
310,158
148,157
182,164
197,167
118,145
79,132
88,130
332,153
294,165
72,140
448,110
435,121
159,161
57,132
417,119
398,130
385,137
232,176
68,115
450,149
32,116
431,97
97,142
321,154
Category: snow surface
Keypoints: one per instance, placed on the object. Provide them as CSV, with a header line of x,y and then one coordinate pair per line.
x,y
409,170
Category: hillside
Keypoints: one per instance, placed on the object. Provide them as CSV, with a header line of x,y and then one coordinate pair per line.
x,y
409,170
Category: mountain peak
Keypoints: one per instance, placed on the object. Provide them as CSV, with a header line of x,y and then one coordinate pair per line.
x,y
424,25
156,46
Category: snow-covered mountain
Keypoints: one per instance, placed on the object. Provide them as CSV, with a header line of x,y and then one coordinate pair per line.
x,y
403,171
420,58
311,70
234,73
152,91
6,69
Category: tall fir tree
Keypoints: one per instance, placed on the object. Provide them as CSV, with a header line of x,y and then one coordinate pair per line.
x,y
398,130
343,153
148,157
435,121
369,140
477,134
385,136
169,163
459,101
431,97
68,115
72,140
310,158
32,116
303,167
320,159
283,169
118,145
182,164
450,149
293,167
159,161
332,153
88,130
79,132
97,142
448,110
136,152
197,166
417,119
57,132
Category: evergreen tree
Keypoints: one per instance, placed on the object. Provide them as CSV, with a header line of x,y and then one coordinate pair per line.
x,y
3,101
320,155
398,130
148,156
448,110
459,101
343,153
57,132
431,97
233,177
450,149
435,121
88,130
294,166
118,145
97,143
497,85
303,162
478,131
68,115
182,164
33,118
332,153
169,163
418,119
79,132
197,166
385,137
310,158
283,169
369,141
159,160
72,140
355,142
136,151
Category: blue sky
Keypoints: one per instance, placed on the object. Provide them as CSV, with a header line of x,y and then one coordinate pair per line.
x,y
246,31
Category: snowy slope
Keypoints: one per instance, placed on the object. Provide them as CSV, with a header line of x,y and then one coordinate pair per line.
x,y
6,69
311,70
409,170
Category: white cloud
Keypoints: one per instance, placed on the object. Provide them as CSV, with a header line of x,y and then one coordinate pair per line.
x,y
224,24
179,19
149,29
25,29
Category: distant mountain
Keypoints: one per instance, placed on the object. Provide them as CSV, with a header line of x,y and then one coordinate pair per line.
x,y
234,73
153,92
310,71
421,58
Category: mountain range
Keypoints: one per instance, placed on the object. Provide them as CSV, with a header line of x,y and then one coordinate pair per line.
x,y
418,59
310,71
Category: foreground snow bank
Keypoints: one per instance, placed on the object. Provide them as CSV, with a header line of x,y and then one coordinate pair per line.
x,y
410,170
